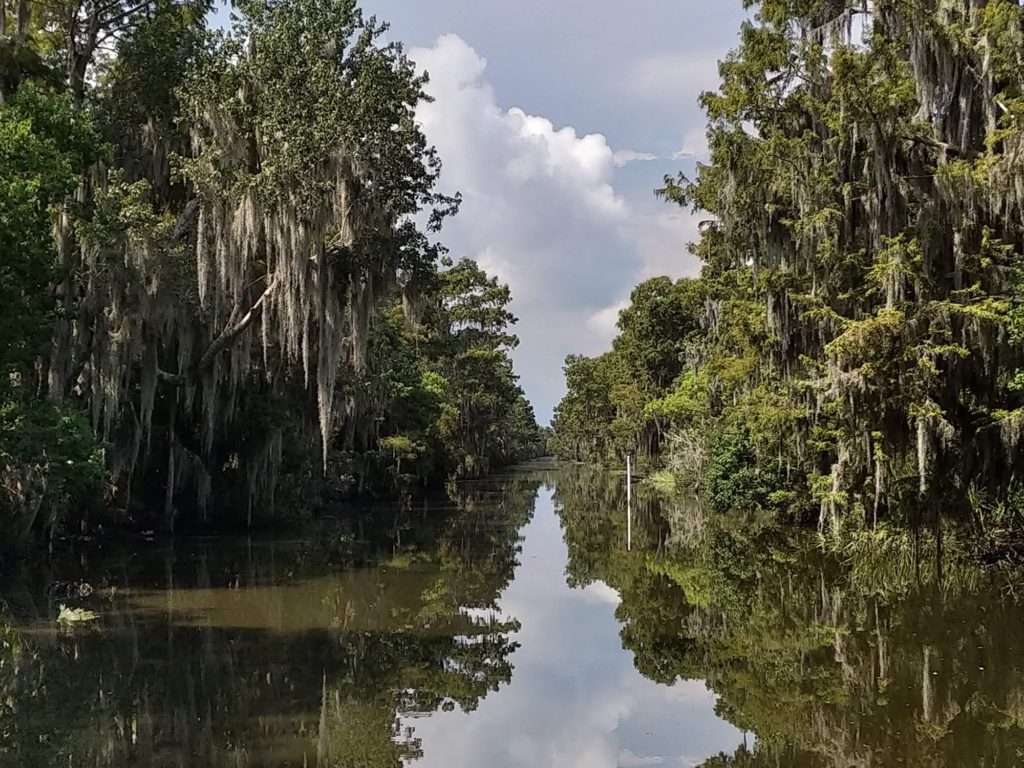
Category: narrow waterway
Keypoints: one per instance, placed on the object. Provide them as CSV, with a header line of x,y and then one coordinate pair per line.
x,y
510,626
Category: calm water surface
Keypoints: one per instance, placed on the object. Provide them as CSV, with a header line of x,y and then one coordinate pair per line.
x,y
511,627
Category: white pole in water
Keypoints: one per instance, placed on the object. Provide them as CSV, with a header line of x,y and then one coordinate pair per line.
x,y
629,502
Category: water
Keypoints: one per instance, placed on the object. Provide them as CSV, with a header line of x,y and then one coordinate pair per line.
x,y
575,698
511,627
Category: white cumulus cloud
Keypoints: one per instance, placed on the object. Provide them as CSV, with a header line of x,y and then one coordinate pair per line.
x,y
541,210
624,157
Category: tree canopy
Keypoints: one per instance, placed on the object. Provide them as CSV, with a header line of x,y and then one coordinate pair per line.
x,y
854,352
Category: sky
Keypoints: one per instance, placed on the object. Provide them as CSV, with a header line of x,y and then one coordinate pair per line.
x,y
557,119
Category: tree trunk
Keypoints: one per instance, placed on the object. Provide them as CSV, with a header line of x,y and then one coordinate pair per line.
x,y
24,14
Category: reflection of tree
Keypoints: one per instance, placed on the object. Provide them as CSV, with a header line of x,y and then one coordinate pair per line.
x,y
277,657
838,671
354,733
653,610
269,655
830,663
478,554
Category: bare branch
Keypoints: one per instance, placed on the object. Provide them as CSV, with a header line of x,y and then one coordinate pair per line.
x,y
230,334
949,149
186,221
174,379
227,337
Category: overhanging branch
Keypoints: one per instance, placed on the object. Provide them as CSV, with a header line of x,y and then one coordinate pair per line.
x,y
226,338
232,332
186,221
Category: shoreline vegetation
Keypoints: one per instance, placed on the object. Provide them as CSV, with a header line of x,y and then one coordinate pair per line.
x,y
850,356
222,293
230,305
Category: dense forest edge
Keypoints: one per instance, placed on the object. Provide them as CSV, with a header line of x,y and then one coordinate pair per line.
x,y
223,299
850,356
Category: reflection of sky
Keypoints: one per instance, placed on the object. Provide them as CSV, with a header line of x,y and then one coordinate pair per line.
x,y
575,697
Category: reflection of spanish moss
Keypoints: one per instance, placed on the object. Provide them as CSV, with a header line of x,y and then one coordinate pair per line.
x,y
253,654
857,659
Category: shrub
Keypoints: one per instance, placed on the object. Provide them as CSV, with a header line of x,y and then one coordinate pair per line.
x,y
50,461
734,479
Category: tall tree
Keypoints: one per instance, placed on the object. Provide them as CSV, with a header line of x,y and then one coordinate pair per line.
x,y
211,256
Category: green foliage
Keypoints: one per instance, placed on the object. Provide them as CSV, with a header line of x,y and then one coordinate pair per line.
x,y
44,147
627,400
442,394
486,421
49,458
50,463
687,404
220,245
657,329
734,479
585,414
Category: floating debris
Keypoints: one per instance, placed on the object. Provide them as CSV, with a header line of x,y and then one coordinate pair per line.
x,y
75,615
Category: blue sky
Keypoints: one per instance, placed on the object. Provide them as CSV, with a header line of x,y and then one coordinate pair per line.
x,y
557,119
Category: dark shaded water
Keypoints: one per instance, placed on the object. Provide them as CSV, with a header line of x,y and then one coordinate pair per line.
x,y
513,628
